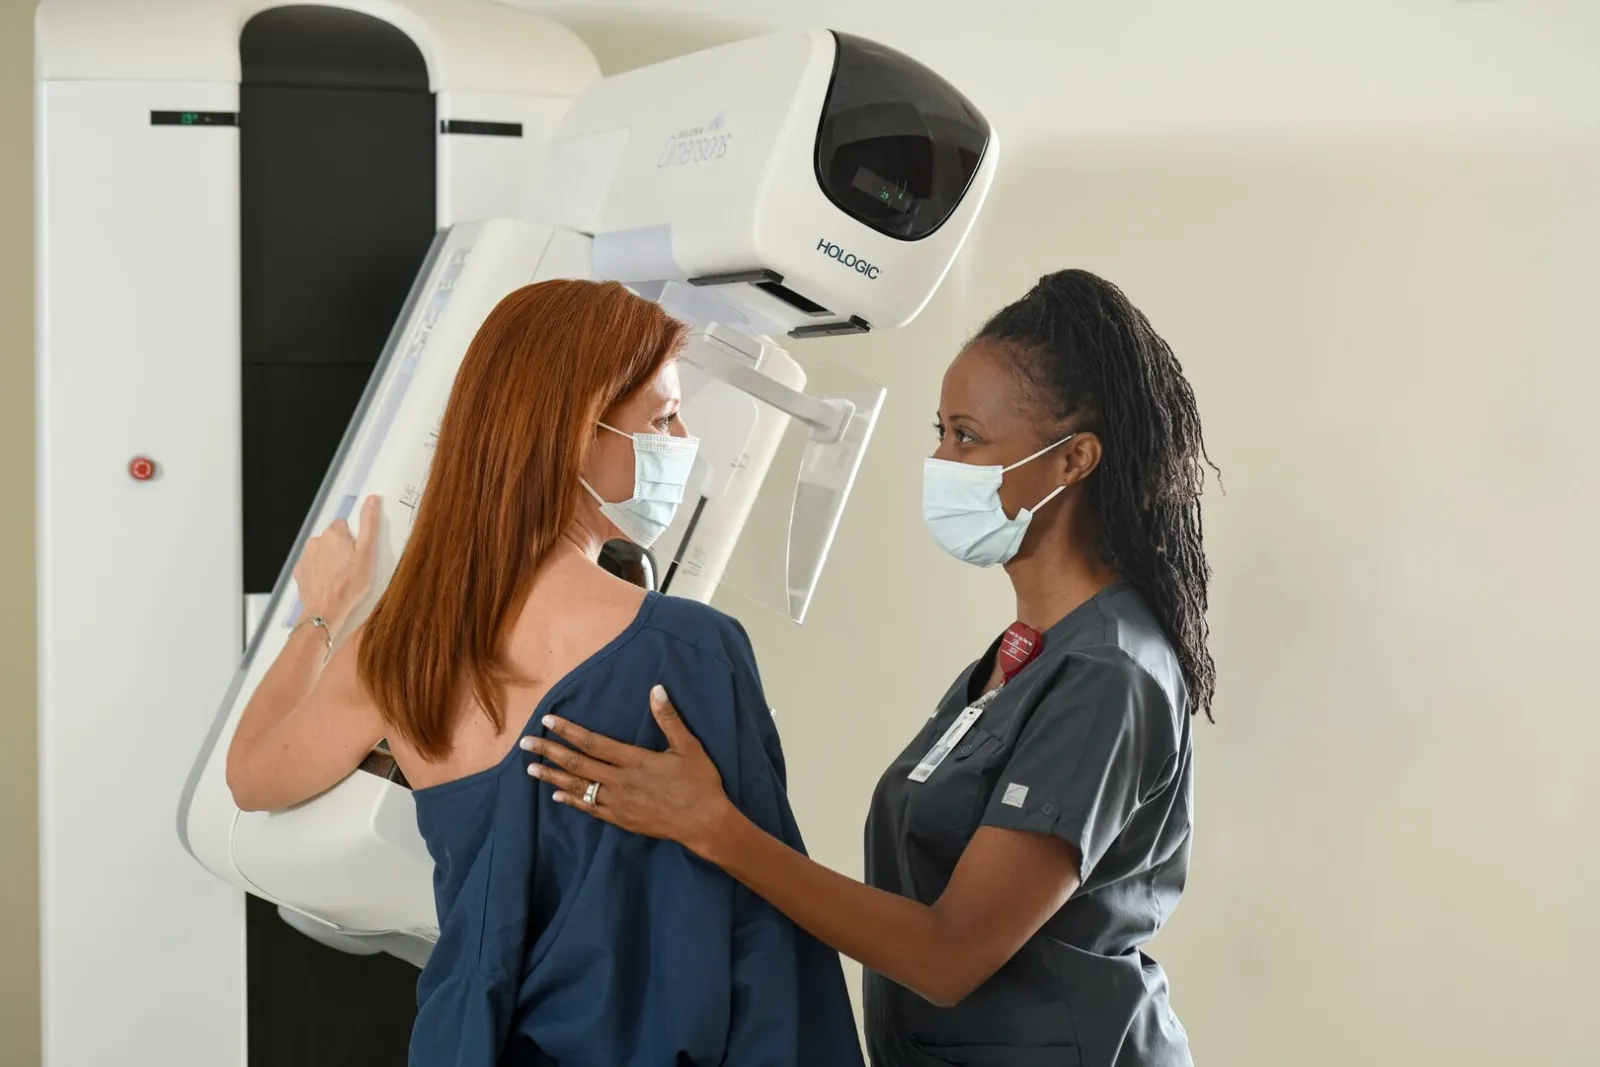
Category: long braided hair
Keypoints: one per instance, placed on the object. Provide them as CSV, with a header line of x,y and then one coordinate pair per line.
x,y
1095,364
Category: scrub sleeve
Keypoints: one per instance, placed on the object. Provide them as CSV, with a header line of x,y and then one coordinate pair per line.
x,y
1083,761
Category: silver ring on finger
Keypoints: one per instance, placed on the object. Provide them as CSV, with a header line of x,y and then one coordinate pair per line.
x,y
591,794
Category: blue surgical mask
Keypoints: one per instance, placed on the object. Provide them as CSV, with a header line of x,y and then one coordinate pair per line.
x,y
961,505
661,466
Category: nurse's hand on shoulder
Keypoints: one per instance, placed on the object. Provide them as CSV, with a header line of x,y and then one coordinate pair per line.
x,y
675,795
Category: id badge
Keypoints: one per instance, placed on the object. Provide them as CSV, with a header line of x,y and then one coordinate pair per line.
x,y
952,737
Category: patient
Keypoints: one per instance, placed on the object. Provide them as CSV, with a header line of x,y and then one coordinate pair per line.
x,y
563,941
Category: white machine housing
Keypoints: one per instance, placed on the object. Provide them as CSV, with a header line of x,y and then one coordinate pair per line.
x,y
141,614
820,182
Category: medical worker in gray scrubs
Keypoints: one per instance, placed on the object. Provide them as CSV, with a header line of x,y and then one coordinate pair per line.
x,y
1036,832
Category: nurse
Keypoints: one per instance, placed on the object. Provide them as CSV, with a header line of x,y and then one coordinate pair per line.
x,y
1036,831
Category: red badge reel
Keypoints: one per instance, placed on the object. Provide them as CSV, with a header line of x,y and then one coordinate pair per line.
x,y
1018,645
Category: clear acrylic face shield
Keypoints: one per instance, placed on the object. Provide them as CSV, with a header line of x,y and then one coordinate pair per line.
x,y
781,445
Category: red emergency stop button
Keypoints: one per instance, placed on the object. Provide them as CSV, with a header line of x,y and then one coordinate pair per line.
x,y
142,468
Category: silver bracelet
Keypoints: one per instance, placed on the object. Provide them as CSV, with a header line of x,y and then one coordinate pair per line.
x,y
327,632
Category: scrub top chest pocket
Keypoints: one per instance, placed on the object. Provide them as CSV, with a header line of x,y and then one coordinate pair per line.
x,y
952,798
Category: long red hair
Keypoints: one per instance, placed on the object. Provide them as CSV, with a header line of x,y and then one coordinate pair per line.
x,y
546,365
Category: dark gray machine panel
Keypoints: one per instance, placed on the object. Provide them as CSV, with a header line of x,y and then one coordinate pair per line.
x,y
338,201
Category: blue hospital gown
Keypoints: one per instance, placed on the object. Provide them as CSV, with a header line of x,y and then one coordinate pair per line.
x,y
566,942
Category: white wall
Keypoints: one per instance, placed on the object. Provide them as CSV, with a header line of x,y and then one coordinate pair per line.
x,y
1371,230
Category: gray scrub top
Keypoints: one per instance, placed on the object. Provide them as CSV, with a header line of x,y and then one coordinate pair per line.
x,y
1090,742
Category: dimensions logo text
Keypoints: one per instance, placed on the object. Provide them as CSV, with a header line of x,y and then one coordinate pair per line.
x,y
699,144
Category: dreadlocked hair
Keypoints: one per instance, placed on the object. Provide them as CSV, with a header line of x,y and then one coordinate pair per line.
x,y
1095,364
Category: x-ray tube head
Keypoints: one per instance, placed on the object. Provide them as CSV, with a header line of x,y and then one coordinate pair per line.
x,y
820,182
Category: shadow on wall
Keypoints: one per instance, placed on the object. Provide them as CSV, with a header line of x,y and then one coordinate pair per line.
x,y
1392,338
622,40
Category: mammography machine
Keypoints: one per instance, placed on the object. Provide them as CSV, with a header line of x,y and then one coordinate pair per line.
x,y
266,236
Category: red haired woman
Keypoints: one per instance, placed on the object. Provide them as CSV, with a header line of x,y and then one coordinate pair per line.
x,y
562,940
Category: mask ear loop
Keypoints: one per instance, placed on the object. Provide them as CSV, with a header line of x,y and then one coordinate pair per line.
x,y
598,499
1058,489
1055,493
1036,455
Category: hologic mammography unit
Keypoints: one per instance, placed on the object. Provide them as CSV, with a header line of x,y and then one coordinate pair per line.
x,y
266,234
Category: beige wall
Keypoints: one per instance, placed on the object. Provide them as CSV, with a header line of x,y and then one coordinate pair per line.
x,y
1393,342
19,870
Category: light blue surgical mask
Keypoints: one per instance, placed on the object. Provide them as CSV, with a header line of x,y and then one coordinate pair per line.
x,y
661,467
961,505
